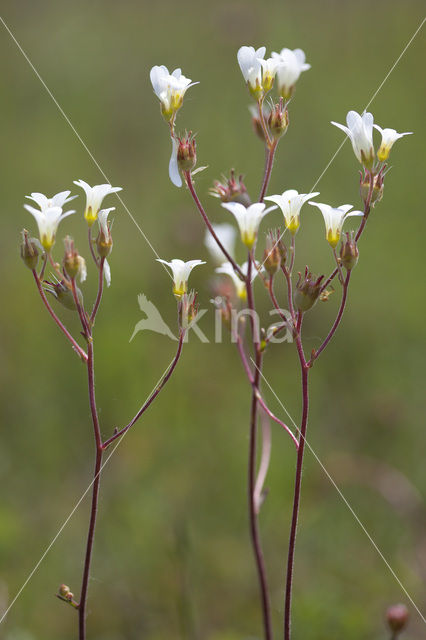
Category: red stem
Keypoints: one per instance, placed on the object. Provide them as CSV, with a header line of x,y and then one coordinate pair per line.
x,y
190,184
337,320
100,290
152,397
268,170
296,501
259,397
253,515
75,345
95,494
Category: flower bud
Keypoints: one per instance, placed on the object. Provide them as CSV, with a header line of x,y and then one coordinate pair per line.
x,y
71,261
272,254
65,592
308,289
187,309
63,293
29,251
378,186
104,243
349,251
231,190
186,153
278,120
397,617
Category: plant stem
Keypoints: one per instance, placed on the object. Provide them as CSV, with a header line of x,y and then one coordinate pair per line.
x,y
251,483
268,170
92,251
100,290
190,185
75,345
337,320
95,494
152,397
296,499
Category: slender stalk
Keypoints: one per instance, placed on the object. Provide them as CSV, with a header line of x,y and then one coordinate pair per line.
x,y
190,185
100,290
152,397
259,396
92,251
296,501
266,135
293,254
95,494
65,331
268,170
275,301
251,483
337,320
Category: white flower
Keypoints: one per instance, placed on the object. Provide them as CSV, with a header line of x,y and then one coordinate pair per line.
x,y
290,203
249,60
103,221
47,218
291,64
360,132
334,219
180,272
389,136
258,73
227,235
248,218
240,286
169,88
57,200
174,174
94,197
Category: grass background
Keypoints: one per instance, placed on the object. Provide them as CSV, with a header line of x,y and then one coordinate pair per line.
x,y
172,556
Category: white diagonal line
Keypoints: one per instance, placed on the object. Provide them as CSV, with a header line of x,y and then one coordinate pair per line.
x,y
64,524
336,153
344,498
80,139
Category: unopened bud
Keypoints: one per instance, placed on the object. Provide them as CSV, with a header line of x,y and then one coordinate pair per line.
x,y
272,253
397,617
71,261
377,190
257,126
63,293
65,592
187,309
231,190
349,251
308,289
278,120
186,153
29,251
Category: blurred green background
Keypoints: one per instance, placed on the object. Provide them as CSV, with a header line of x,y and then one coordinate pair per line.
x,y
172,555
